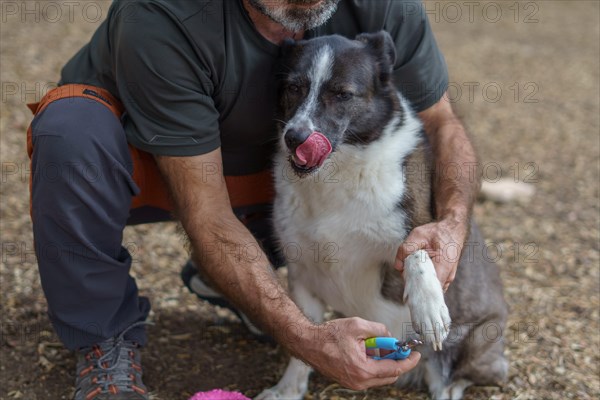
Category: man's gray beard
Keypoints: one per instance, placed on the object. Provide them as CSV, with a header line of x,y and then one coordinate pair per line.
x,y
298,19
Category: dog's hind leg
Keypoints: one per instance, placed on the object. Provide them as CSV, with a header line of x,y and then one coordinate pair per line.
x,y
294,383
439,375
452,392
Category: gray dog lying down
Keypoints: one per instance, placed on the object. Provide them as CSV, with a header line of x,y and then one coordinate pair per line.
x,y
346,137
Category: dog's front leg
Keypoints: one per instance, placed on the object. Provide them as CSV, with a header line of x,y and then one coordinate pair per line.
x,y
294,382
425,299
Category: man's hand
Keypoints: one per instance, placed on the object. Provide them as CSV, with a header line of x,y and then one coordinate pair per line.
x,y
340,354
443,241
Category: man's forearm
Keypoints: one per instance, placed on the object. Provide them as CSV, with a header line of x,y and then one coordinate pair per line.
x,y
455,187
234,262
227,252
458,175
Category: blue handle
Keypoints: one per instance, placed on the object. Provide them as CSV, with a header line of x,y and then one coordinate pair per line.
x,y
396,355
388,343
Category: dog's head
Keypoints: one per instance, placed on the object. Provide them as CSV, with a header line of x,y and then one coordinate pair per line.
x,y
334,91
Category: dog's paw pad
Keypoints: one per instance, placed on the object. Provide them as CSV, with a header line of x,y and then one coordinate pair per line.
x,y
425,298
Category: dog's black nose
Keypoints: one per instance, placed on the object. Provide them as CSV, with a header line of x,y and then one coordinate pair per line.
x,y
295,137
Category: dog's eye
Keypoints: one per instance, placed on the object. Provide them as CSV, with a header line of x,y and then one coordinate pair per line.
x,y
293,88
343,96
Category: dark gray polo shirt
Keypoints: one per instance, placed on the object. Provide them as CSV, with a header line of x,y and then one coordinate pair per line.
x,y
195,74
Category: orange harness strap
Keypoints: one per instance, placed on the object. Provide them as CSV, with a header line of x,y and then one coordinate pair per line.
x,y
243,190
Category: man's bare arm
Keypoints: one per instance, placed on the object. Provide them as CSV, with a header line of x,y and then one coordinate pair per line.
x,y
217,238
226,250
455,190
459,177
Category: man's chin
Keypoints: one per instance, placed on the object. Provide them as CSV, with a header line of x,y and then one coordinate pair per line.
x,y
297,15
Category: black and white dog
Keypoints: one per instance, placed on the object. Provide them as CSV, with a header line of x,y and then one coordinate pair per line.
x,y
347,136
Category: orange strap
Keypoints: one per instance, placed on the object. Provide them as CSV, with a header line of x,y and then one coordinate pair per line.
x,y
243,190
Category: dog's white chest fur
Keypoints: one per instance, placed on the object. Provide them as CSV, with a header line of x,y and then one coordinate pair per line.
x,y
339,225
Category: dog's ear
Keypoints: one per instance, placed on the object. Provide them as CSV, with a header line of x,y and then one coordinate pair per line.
x,y
383,45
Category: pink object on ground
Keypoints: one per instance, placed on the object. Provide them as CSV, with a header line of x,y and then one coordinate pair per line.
x,y
314,150
218,394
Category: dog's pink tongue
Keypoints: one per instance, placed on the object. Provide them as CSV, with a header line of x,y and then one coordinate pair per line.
x,y
314,150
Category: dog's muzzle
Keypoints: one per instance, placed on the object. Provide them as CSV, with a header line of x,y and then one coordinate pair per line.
x,y
307,153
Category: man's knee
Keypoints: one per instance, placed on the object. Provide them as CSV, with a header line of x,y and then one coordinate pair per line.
x,y
80,158
78,129
79,141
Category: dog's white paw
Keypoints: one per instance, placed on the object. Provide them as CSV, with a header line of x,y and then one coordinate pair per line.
x,y
454,391
277,393
425,298
293,383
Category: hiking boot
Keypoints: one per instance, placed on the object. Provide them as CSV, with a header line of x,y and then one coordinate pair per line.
x,y
110,370
191,279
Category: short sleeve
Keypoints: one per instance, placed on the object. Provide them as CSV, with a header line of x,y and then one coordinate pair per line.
x,y
420,72
164,86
